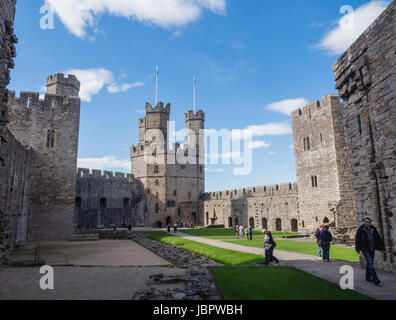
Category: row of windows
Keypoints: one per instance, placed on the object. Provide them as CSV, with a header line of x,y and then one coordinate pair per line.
x,y
307,142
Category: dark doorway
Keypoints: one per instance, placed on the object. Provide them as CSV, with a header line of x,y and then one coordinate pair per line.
x,y
264,223
229,222
251,222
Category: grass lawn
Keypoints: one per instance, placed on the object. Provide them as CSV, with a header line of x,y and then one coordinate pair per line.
x,y
224,256
336,252
277,283
223,233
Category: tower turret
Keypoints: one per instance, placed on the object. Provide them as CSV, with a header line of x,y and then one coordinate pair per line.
x,y
58,84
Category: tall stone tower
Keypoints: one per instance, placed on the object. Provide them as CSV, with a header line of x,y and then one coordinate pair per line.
x,y
50,127
323,167
173,190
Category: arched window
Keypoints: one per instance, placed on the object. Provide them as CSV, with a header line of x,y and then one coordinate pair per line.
x,y
294,225
50,139
78,203
103,203
264,223
278,224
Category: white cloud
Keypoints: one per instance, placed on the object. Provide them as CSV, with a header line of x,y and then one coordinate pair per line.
x,y
175,35
107,162
287,106
271,153
94,80
340,38
259,145
114,88
77,15
267,129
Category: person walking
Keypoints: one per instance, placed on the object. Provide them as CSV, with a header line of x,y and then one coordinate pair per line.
x,y
326,238
175,227
241,231
236,232
169,227
269,246
247,233
251,233
318,241
368,240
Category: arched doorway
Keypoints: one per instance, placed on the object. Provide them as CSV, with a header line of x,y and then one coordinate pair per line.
x,y
264,223
251,222
236,221
294,225
278,224
158,224
168,220
229,222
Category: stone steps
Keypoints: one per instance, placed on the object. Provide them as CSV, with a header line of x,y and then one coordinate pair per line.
x,y
84,237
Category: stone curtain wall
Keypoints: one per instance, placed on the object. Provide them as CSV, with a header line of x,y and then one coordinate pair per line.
x,y
244,206
366,80
54,175
107,199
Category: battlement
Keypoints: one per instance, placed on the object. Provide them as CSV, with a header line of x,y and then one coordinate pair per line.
x,y
190,115
158,108
309,110
270,190
59,84
31,102
92,173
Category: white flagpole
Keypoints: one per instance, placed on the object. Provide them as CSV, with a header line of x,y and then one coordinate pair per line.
x,y
156,85
194,86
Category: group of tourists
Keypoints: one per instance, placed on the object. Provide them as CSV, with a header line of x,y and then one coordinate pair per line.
x,y
243,232
182,225
367,241
323,239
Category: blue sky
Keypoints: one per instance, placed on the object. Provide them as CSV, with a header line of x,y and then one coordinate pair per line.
x,y
254,61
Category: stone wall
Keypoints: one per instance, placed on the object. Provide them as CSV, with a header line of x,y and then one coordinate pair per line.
x,y
323,167
267,207
50,127
107,199
8,147
366,80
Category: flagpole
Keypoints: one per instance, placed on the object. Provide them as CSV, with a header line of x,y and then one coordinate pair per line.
x,y
194,86
156,84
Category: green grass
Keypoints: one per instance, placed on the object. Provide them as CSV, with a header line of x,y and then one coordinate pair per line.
x,y
277,283
336,252
223,233
224,256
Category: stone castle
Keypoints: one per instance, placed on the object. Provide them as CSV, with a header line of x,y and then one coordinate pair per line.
x,y
345,160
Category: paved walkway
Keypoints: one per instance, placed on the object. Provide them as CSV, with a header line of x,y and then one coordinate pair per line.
x,y
311,264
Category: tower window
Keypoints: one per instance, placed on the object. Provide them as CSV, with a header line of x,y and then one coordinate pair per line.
x,y
50,139
359,121
314,181
156,169
103,203
156,208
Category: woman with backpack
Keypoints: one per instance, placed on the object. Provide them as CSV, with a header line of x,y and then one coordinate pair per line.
x,y
269,246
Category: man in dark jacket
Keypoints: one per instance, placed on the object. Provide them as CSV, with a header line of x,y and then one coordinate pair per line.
x,y
367,241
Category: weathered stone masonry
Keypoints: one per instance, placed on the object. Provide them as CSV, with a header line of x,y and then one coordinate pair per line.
x,y
107,199
366,80
50,126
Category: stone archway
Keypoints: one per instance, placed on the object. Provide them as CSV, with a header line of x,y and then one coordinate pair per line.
x,y
158,224
168,220
294,225
251,222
